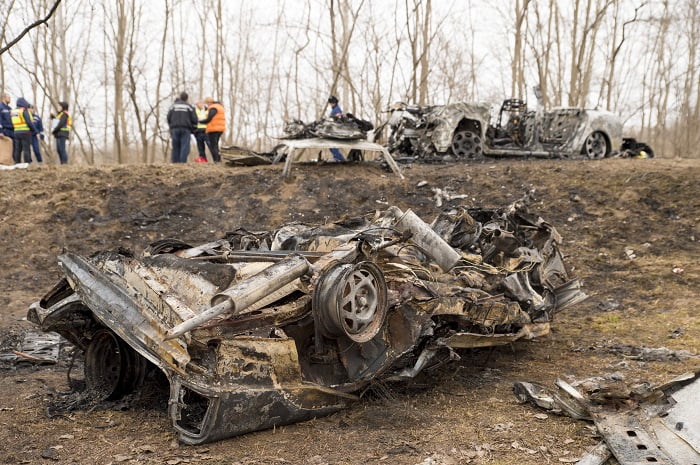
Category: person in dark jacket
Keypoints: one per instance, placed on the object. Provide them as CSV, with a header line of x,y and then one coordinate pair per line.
x,y
23,125
182,120
61,131
39,125
216,125
6,128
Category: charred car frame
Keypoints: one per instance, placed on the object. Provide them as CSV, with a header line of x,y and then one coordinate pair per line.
x,y
461,131
273,327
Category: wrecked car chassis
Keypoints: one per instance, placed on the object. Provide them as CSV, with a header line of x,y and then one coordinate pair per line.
x,y
262,329
462,131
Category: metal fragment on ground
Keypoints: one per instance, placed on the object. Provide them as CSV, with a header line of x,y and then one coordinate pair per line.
x,y
659,425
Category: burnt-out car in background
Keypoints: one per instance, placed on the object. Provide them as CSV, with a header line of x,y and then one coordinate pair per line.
x,y
266,328
460,131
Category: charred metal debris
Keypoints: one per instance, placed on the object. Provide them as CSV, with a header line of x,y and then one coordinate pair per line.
x,y
638,423
268,328
346,127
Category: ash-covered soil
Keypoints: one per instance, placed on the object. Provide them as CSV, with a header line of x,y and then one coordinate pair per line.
x,y
607,212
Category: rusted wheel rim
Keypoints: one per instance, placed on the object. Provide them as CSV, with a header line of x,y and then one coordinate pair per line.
x,y
103,364
466,144
596,146
112,368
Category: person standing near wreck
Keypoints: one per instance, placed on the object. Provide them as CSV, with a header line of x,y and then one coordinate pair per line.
x,y
23,125
200,133
6,128
336,112
216,125
182,120
61,130
39,133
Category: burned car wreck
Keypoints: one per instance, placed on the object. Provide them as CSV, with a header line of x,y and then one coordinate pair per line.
x,y
460,131
268,328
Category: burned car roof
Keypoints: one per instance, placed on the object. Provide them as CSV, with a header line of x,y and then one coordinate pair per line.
x,y
265,328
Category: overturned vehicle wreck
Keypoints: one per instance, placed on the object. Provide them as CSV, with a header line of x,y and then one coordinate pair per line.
x,y
269,328
460,131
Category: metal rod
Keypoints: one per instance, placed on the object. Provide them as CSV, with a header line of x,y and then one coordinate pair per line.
x,y
246,293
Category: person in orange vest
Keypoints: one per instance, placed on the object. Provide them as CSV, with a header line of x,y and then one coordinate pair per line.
x,y
216,125
61,131
23,124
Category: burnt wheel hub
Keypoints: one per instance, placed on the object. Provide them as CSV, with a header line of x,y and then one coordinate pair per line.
x,y
352,301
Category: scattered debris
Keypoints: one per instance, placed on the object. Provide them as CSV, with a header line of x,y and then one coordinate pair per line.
x,y
657,425
266,328
641,353
240,156
676,333
36,347
630,148
650,354
444,195
678,270
608,304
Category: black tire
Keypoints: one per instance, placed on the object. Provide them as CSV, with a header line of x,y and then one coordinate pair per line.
x,y
466,145
112,368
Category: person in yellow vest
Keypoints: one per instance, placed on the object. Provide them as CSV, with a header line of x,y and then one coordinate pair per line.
x,y
61,130
200,133
23,125
216,125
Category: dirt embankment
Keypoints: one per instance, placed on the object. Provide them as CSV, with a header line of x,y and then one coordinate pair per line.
x,y
626,225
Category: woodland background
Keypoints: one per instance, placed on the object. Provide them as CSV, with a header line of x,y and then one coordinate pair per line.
x,y
120,63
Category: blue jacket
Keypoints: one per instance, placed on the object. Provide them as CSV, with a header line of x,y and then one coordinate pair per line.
x,y
38,125
336,110
6,120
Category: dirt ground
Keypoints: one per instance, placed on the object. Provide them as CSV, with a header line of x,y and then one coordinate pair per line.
x,y
464,412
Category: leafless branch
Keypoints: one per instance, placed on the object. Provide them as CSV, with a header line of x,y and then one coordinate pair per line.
x,y
36,23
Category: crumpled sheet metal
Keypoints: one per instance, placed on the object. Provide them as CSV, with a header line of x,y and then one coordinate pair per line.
x,y
376,299
661,426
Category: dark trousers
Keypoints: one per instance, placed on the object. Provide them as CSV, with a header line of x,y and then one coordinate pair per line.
x,y
213,143
61,149
181,144
22,145
201,137
37,149
337,156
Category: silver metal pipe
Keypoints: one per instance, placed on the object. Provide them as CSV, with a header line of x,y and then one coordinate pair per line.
x,y
246,293
426,238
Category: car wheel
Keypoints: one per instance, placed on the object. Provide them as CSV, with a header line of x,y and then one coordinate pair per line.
x,y
112,368
466,145
596,146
